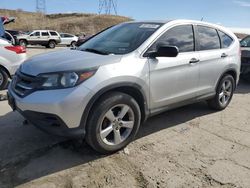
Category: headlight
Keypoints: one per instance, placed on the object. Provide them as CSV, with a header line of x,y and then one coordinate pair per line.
x,y
63,80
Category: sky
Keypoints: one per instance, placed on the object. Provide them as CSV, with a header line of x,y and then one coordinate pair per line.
x,y
230,13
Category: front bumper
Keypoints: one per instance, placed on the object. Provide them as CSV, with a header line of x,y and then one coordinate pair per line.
x,y
55,111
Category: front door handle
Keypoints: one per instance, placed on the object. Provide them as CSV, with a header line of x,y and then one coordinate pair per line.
x,y
194,60
224,55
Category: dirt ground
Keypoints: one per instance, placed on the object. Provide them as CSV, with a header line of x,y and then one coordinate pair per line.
x,y
190,146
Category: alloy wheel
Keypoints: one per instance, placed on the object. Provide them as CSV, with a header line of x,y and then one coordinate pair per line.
x,y
117,124
225,92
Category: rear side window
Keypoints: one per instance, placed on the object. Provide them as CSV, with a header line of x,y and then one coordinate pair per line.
x,y
45,34
53,33
179,36
226,40
208,38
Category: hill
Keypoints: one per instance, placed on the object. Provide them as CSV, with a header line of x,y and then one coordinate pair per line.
x,y
75,23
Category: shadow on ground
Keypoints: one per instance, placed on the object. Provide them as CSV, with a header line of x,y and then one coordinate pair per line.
x,y
28,154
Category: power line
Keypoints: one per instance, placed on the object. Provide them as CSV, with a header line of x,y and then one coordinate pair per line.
x,y
108,6
41,6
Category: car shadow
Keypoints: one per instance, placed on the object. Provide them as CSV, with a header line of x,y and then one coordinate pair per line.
x,y
243,87
34,154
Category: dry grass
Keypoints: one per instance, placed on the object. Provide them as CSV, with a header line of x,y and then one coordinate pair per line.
x,y
75,23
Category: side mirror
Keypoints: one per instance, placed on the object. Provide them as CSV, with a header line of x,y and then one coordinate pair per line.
x,y
165,51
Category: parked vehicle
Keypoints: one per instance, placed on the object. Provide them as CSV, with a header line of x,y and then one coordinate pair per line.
x,y
45,38
245,58
108,86
11,35
11,58
68,39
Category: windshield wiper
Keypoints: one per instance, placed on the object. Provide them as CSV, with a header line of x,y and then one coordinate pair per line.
x,y
95,51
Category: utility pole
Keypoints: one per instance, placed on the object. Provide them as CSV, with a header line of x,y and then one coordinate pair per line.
x,y
107,6
41,6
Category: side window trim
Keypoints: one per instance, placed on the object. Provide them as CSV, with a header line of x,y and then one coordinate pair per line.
x,y
221,45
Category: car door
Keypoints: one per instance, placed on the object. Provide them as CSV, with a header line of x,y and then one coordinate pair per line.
x,y
34,37
174,79
213,58
44,37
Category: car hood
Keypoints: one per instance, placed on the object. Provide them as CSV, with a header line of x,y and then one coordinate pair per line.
x,y
66,60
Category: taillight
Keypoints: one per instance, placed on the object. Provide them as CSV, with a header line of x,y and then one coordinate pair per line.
x,y
17,49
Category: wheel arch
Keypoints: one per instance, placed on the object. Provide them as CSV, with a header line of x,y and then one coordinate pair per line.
x,y
6,70
132,89
231,72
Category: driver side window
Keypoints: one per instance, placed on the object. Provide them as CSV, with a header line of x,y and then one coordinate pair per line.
x,y
180,36
37,34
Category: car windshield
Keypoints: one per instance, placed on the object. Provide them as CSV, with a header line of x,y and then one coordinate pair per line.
x,y
120,39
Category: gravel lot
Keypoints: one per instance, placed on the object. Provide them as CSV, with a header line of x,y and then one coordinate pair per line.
x,y
188,147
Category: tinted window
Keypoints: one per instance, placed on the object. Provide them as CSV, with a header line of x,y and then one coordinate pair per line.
x,y
52,33
45,34
36,34
226,41
179,36
67,36
245,42
208,38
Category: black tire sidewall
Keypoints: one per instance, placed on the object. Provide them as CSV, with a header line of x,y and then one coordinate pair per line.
x,y
5,79
99,110
226,77
52,42
24,43
73,44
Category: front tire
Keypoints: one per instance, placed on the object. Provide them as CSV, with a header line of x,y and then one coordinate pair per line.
x,y
23,43
224,93
113,122
3,79
73,44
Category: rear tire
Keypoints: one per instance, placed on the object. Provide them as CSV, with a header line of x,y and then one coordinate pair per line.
x,y
113,122
52,44
3,79
224,93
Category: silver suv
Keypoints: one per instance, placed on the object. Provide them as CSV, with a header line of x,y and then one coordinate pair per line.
x,y
45,38
113,82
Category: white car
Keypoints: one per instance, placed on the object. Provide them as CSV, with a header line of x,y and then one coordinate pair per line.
x,y
68,39
11,57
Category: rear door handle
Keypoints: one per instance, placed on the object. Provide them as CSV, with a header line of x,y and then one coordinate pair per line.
x,y
194,60
224,55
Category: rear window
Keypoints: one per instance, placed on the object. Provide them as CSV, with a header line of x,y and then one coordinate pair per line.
x,y
208,38
226,40
53,33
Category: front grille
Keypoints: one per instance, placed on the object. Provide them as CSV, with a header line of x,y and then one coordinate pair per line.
x,y
24,84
